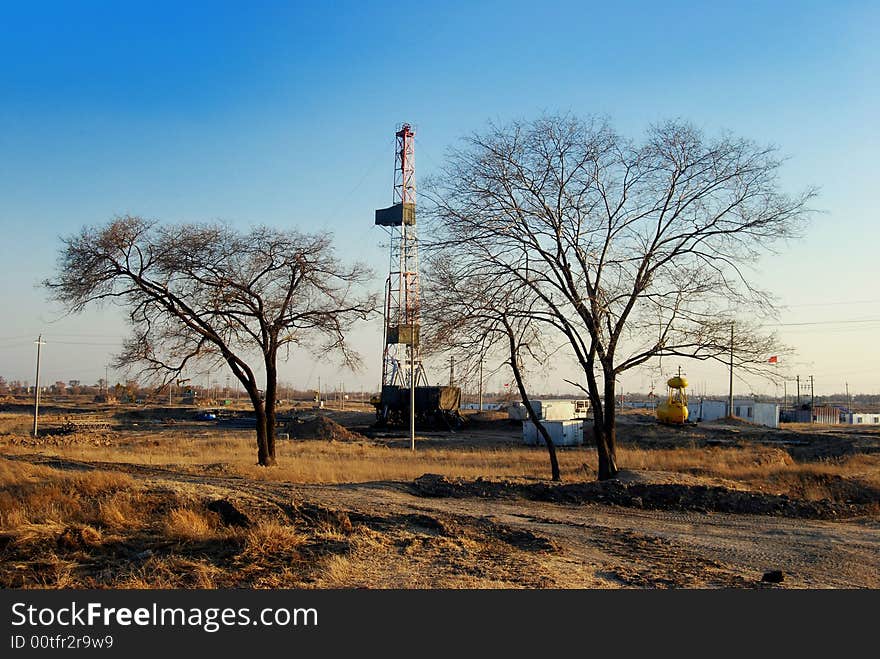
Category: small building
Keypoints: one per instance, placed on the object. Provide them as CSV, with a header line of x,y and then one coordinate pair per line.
x,y
825,414
552,410
567,432
862,418
762,414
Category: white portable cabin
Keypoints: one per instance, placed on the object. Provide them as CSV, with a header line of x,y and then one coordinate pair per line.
x,y
862,418
762,414
552,410
566,432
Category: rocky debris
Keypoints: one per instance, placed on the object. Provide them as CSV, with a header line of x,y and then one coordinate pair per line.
x,y
229,514
65,439
325,519
525,539
321,427
437,486
428,522
657,496
773,576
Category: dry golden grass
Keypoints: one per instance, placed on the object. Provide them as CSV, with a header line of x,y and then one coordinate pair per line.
x,y
271,538
320,462
191,525
763,468
755,467
122,510
34,495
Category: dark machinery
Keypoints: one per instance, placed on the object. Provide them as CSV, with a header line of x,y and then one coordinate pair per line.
x,y
436,407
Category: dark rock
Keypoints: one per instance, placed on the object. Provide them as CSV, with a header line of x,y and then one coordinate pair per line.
x,y
773,576
229,514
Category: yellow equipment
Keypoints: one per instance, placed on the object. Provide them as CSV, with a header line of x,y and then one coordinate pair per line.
x,y
675,408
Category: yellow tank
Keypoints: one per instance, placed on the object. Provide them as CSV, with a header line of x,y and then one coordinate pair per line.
x,y
674,409
672,412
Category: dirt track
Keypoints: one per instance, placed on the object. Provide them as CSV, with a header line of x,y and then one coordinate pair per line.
x,y
471,541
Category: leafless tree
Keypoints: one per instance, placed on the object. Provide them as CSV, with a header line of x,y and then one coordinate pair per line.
x,y
197,293
628,251
475,322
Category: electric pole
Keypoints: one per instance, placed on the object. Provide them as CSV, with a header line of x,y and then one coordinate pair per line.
x,y
481,383
39,343
412,396
798,379
451,370
730,393
812,399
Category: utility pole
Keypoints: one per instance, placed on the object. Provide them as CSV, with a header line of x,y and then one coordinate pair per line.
x,y
784,394
481,383
730,393
343,397
412,396
39,343
812,399
451,370
798,379
848,401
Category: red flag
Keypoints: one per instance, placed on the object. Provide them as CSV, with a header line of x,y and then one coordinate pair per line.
x,y
773,359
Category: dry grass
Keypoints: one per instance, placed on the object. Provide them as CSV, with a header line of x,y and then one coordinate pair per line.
x,y
272,538
190,525
37,495
103,528
756,467
761,468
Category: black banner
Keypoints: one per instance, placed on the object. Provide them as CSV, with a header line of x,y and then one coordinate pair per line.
x,y
238,622
228,622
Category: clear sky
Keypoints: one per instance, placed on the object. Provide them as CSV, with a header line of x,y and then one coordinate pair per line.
x,y
283,113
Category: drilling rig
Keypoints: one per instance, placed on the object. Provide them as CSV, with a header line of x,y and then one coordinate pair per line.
x,y
403,374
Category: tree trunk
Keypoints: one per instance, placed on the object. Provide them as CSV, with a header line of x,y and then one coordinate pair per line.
x,y
269,405
605,431
265,456
551,448
517,375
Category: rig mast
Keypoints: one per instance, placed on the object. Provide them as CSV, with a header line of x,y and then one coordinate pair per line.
x,y
401,360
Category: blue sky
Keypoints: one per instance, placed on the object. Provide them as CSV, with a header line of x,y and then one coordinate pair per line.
x,y
284,114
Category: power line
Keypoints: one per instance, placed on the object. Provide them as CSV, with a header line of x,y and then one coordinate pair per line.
x,y
830,304
823,322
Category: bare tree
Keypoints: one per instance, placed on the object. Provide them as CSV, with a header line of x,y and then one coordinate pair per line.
x,y
197,293
629,251
473,321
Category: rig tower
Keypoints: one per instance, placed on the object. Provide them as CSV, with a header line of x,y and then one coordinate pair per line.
x,y
401,361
